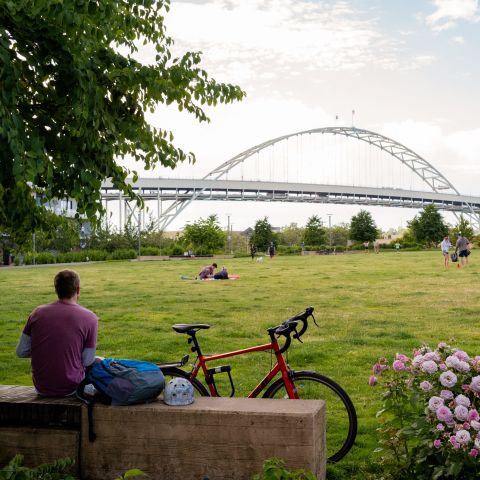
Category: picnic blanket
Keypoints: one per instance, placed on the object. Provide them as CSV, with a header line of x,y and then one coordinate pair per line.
x,y
230,277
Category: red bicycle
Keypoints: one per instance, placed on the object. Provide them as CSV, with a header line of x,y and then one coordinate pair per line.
x,y
340,412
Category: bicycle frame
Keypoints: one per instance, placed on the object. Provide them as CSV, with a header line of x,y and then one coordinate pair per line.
x,y
279,367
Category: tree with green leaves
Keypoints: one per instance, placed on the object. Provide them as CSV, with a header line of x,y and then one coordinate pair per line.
x,y
204,236
428,227
262,234
339,234
74,99
314,233
463,227
291,235
363,227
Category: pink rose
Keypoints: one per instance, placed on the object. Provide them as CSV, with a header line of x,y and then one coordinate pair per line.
x,y
398,366
437,443
473,414
444,414
473,452
372,380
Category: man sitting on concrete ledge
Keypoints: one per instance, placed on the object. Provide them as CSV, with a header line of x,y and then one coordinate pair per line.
x,y
61,339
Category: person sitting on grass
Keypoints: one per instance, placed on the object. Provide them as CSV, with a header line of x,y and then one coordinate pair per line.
x,y
222,275
207,271
61,339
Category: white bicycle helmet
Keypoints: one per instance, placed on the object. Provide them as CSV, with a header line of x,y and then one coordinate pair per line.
x,y
178,391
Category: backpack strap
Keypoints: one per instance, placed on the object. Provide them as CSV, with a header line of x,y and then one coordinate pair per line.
x,y
80,394
91,434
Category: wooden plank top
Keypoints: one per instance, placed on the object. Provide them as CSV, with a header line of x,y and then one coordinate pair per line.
x,y
19,394
22,406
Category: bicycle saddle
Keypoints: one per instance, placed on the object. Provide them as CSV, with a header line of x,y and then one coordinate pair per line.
x,y
186,327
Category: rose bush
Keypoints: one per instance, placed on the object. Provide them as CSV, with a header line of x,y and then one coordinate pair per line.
x,y
429,421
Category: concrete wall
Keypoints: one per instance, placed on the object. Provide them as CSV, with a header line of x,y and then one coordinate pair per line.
x,y
214,438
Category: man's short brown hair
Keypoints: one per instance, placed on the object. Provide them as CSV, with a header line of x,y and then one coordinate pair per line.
x,y
66,283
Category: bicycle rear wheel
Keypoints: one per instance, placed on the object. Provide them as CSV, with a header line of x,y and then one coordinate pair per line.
x,y
341,417
174,372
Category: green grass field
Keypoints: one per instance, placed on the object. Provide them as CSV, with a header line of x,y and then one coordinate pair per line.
x,y
366,305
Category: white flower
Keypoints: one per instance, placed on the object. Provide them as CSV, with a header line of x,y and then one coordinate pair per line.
x,y
475,424
461,412
449,379
446,394
432,356
452,362
426,386
461,355
435,402
463,366
462,437
462,400
477,442
429,366
417,361
475,384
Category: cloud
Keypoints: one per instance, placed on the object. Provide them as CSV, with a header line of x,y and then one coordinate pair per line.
x,y
454,154
280,35
458,39
449,12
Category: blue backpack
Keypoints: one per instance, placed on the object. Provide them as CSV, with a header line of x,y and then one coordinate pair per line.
x,y
120,382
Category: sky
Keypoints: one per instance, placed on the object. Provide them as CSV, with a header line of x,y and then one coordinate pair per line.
x,y
409,70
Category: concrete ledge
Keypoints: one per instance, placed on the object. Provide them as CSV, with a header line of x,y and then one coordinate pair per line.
x,y
214,438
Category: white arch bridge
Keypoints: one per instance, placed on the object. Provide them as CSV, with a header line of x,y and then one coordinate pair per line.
x,y
172,196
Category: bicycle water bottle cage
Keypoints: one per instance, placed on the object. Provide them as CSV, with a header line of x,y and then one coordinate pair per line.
x,y
209,378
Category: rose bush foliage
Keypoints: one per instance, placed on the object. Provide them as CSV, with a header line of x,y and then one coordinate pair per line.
x,y
430,421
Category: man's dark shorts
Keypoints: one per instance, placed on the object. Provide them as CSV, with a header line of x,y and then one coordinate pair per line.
x,y
464,253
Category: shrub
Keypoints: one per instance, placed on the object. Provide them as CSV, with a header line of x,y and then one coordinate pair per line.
x,y
149,251
289,250
239,254
44,258
122,254
430,425
274,469
58,470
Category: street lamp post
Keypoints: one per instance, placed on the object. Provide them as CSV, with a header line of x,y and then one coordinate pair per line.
x,y
330,228
228,233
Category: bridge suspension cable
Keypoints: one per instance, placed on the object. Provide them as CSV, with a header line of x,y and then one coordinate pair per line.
x,y
428,174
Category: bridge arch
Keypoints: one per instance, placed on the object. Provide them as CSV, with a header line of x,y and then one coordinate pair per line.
x,y
429,175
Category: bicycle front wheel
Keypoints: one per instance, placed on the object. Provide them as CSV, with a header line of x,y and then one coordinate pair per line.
x,y
173,372
341,418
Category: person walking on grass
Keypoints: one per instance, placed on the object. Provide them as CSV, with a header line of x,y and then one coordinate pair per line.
x,y
60,338
445,246
462,248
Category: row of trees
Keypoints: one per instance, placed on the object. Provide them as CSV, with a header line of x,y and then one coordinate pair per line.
x,y
362,228
205,236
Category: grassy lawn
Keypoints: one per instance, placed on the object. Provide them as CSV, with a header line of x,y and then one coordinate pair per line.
x,y
366,305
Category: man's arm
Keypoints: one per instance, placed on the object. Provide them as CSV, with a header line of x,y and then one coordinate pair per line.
x,y
88,356
24,347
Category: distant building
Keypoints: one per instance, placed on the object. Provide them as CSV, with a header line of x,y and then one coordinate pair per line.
x,y
66,208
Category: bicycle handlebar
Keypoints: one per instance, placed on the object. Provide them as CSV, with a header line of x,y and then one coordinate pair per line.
x,y
290,325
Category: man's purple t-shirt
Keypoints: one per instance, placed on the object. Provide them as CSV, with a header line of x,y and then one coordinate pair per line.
x,y
59,333
206,272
